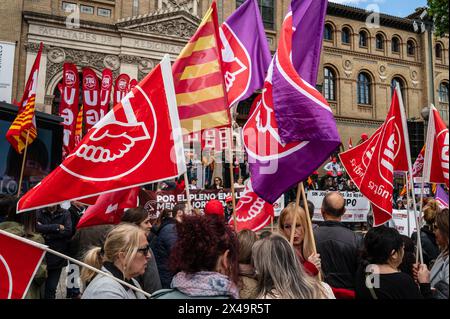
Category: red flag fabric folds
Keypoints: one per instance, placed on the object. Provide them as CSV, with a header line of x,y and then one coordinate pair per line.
x,y
136,143
18,265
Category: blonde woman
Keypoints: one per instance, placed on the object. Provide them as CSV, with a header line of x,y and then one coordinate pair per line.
x,y
124,255
302,238
279,274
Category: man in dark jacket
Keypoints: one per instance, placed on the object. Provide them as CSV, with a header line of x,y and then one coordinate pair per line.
x,y
165,236
55,225
337,245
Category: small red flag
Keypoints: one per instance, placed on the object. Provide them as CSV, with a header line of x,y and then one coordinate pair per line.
x,y
18,265
109,208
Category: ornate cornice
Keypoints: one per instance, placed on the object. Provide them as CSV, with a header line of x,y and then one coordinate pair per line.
x,y
365,122
371,56
155,16
30,16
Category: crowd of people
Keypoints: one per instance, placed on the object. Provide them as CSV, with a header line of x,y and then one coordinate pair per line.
x,y
183,255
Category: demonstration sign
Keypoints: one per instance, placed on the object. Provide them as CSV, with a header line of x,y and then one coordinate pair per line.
x,y
356,206
404,222
161,200
158,201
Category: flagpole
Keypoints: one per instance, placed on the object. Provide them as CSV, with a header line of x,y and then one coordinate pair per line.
x,y
308,221
79,263
407,204
233,195
188,193
408,155
23,165
271,224
297,207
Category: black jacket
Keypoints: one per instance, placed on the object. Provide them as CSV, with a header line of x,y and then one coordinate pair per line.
x,y
162,244
48,225
339,250
430,248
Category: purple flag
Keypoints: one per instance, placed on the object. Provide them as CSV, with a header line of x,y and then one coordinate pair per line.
x,y
276,166
441,197
245,52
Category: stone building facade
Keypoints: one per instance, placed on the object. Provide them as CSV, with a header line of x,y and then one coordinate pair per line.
x,y
358,66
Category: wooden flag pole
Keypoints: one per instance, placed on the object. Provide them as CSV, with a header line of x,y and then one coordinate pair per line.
x,y
271,224
188,193
79,263
417,218
309,228
294,222
233,194
23,165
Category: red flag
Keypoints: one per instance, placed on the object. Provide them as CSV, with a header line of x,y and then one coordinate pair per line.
x,y
121,88
105,91
350,144
109,208
18,265
252,212
91,98
371,164
136,143
418,164
436,166
68,109
24,126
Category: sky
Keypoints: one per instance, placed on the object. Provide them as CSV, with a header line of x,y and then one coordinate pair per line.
x,y
399,8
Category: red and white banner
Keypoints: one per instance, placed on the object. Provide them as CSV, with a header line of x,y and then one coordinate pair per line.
x,y
418,164
109,208
371,164
91,98
19,263
121,88
105,91
137,143
68,108
252,212
436,166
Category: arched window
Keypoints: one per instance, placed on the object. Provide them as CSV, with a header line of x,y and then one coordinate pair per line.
x,y
401,83
438,51
363,39
329,84
328,32
411,48
395,45
364,88
379,39
443,92
346,35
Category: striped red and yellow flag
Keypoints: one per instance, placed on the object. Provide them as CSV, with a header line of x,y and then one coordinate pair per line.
x,y
199,80
79,126
25,123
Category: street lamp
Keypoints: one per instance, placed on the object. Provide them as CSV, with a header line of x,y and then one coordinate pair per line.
x,y
426,24
425,113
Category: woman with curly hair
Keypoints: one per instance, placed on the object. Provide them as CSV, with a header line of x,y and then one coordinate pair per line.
x,y
205,260
429,246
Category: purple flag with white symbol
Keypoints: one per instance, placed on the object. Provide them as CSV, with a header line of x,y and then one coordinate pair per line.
x,y
245,52
277,165
441,197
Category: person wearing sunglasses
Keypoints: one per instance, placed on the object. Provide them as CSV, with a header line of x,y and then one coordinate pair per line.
x,y
150,280
125,255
